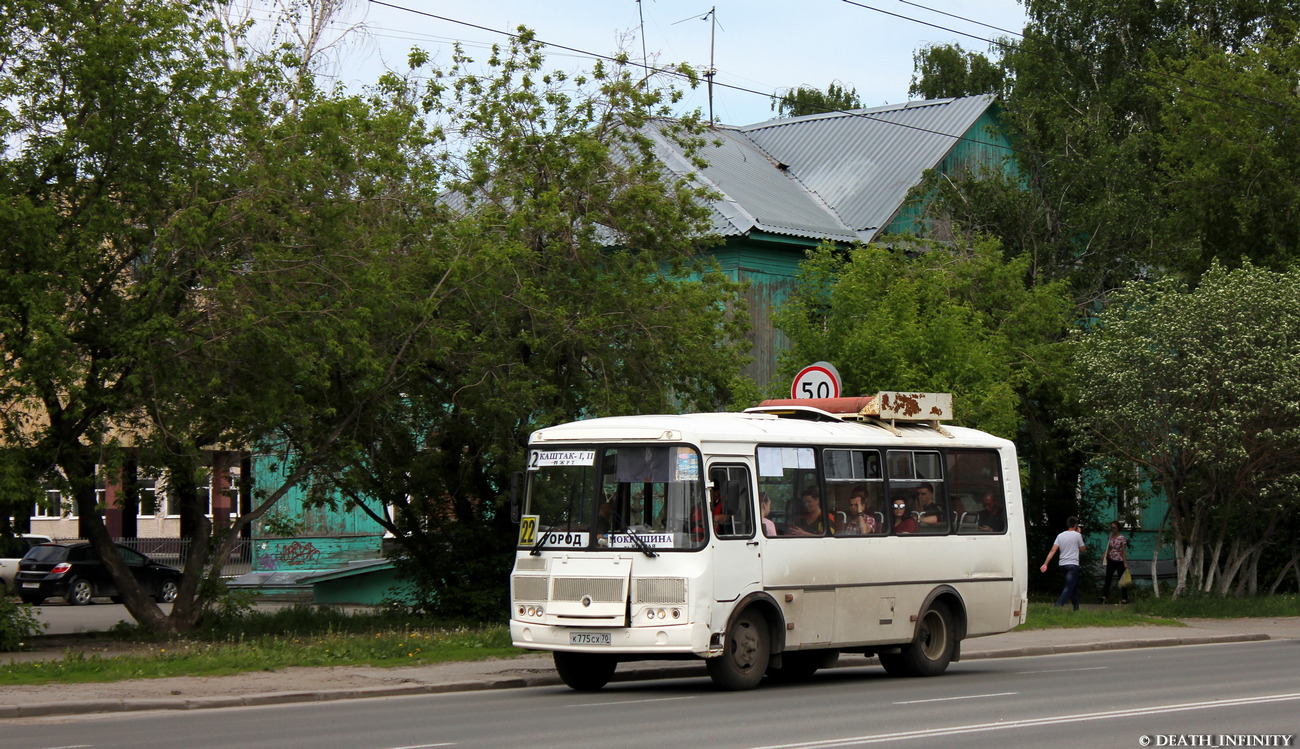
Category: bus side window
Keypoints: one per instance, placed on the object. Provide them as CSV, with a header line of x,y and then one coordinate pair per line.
x,y
974,474
784,474
730,503
916,478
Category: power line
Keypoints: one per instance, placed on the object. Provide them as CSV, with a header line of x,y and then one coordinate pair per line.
x,y
677,74
960,18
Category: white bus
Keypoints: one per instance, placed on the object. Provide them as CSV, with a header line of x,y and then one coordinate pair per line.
x,y
770,541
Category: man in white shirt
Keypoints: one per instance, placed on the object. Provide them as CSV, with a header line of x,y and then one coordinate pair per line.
x,y
1069,543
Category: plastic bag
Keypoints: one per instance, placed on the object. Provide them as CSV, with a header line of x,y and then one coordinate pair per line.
x,y
1126,580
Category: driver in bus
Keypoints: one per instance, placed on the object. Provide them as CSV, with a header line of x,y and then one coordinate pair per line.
x,y
601,525
721,520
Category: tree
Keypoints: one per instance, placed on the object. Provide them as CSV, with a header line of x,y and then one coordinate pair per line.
x,y
215,255
1199,390
1096,102
115,133
579,290
803,100
1228,167
1150,138
947,70
931,317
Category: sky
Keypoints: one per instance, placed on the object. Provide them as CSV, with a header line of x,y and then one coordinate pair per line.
x,y
762,46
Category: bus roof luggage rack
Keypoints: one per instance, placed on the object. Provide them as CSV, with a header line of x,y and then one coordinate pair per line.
x,y
886,409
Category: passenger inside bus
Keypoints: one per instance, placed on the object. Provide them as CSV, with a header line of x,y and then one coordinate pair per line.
x,y
991,518
903,522
810,521
765,510
860,522
931,513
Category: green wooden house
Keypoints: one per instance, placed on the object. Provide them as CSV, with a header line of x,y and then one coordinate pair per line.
x,y
787,185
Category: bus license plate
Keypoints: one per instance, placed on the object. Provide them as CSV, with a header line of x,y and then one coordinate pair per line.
x,y
589,638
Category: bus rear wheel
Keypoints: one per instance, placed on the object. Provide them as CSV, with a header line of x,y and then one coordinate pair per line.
x,y
585,672
745,654
931,651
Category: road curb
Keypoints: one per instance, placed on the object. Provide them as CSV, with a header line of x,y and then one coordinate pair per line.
x,y
1087,647
643,673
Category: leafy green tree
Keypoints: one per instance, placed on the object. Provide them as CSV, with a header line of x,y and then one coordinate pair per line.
x,y
1150,138
1199,390
803,100
947,70
1228,167
219,255
963,318
327,316
1096,100
115,133
932,317
573,287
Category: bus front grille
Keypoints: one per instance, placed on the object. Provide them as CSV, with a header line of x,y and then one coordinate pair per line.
x,y
530,588
602,589
660,590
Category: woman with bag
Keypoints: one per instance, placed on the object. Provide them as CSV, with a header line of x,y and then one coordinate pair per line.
x,y
1116,563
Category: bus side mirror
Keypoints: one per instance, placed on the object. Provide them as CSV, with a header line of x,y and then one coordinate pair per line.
x,y
516,481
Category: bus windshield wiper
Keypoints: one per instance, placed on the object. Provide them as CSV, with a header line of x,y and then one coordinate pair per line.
x,y
538,545
641,544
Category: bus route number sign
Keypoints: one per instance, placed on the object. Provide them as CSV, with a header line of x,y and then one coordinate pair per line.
x,y
553,458
528,530
819,380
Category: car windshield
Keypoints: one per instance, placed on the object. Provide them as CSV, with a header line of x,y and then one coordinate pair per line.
x,y
622,497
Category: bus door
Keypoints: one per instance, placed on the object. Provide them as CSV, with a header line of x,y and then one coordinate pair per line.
x,y
735,540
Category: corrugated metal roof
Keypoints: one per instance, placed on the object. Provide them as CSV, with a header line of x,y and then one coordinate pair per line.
x,y
839,175
755,192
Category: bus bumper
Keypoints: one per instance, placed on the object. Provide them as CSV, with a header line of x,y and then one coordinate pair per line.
x,y
645,641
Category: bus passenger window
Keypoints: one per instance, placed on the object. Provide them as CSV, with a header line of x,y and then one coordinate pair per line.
x,y
916,478
975,476
854,488
787,475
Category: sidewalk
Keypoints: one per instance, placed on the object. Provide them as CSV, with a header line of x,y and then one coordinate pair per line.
x,y
354,682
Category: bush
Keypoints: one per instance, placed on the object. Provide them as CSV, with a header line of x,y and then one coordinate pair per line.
x,y
18,624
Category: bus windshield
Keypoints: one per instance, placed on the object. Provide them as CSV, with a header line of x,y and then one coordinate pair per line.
x,y
623,497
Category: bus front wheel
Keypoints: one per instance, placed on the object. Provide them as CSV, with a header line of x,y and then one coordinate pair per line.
x,y
585,672
745,654
931,651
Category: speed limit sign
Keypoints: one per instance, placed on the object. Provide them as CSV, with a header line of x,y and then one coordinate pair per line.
x,y
818,380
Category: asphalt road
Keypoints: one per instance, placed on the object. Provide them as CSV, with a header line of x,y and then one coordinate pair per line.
x,y
63,619
1110,698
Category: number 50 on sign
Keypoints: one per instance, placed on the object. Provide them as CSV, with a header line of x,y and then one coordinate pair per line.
x,y
818,380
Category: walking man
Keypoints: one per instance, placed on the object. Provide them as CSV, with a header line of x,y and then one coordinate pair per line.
x,y
1069,543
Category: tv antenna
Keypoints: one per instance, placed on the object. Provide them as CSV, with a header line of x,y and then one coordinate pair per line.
x,y
710,71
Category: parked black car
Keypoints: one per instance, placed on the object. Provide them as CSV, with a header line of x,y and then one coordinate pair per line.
x,y
73,571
